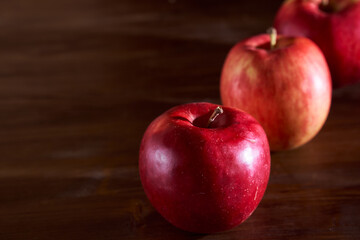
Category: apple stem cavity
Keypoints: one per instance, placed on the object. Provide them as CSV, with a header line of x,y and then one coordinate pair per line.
x,y
273,34
214,115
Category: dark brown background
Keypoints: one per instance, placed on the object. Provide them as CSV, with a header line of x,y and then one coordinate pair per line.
x,y
81,80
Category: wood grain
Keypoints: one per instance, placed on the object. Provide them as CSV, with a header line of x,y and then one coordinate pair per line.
x,y
80,82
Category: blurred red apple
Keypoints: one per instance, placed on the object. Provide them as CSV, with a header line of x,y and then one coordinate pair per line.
x,y
285,85
334,26
204,176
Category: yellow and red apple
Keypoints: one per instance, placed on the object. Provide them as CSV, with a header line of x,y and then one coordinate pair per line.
x,y
284,82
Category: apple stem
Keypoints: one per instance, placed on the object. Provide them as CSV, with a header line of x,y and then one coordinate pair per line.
x,y
214,115
324,2
273,34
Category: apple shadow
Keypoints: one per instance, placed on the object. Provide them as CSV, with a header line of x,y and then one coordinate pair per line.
x,y
154,226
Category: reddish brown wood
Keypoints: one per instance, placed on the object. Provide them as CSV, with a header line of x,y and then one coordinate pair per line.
x,y
80,82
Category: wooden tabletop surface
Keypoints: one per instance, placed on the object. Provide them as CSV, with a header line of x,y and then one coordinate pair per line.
x,y
81,80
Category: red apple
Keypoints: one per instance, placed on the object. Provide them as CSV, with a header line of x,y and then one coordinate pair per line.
x,y
204,177
287,88
333,26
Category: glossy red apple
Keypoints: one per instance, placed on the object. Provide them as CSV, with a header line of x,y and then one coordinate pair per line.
x,y
334,26
287,88
204,177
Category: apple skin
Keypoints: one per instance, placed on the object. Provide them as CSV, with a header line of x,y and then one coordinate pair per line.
x,y
288,89
337,34
201,179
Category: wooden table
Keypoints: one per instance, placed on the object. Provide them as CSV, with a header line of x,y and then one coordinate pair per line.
x,y
81,80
